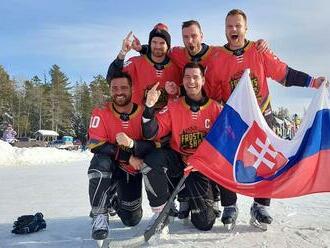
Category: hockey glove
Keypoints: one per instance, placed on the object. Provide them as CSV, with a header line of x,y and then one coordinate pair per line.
x,y
28,224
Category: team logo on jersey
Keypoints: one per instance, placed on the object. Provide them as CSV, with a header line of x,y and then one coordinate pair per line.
x,y
255,84
256,158
190,140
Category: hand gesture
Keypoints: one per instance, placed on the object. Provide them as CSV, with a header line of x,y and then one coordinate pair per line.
x,y
126,46
123,140
152,96
136,44
262,46
135,162
318,82
171,88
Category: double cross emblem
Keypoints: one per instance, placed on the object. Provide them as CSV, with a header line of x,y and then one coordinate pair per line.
x,y
265,149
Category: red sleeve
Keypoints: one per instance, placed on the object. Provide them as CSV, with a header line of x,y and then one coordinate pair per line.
x,y
96,130
274,67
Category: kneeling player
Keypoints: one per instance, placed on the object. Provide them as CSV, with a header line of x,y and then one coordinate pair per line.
x,y
115,138
187,119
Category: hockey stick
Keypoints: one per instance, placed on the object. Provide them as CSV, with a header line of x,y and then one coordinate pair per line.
x,y
165,212
140,240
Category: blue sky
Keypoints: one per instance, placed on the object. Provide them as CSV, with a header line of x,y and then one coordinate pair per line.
x,y
83,37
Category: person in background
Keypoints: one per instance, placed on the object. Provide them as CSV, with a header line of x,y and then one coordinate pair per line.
x,y
9,134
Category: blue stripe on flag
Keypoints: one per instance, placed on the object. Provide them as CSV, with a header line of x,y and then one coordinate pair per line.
x,y
316,138
227,133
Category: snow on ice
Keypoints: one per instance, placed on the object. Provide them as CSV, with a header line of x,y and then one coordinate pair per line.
x,y
55,183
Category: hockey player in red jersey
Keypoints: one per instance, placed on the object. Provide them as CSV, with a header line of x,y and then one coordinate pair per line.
x,y
188,119
115,138
236,56
195,50
148,69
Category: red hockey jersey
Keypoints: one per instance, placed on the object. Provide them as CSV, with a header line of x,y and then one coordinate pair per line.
x,y
187,128
230,68
180,56
145,74
105,123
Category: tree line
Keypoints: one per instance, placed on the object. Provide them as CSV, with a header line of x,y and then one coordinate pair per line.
x,y
54,103
51,102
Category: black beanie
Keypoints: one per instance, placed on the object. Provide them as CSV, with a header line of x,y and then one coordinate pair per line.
x,y
160,30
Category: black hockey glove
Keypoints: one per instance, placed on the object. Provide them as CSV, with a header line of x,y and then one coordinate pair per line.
x,y
29,223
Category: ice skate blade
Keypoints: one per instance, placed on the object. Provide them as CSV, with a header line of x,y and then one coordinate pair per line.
x,y
257,224
230,227
99,243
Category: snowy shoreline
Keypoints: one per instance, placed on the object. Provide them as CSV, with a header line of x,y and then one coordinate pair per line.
x,y
61,194
13,156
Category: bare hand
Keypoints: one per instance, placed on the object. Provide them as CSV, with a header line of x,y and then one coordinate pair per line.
x,y
136,44
152,96
135,162
171,88
126,46
262,46
123,140
318,82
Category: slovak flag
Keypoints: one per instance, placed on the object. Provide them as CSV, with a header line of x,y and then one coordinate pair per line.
x,y
243,154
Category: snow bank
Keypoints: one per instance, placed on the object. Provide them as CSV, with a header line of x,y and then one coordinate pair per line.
x,y
13,156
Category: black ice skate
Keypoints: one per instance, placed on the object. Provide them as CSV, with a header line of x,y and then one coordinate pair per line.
x,y
229,217
100,227
260,217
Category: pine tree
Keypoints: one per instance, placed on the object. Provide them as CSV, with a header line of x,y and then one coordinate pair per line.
x,y
83,107
61,106
99,91
31,107
7,99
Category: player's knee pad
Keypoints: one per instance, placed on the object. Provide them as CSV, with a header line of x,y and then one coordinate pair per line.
x,y
203,219
130,218
130,212
101,167
100,183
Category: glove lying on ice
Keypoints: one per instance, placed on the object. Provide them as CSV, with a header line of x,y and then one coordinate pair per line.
x,y
29,223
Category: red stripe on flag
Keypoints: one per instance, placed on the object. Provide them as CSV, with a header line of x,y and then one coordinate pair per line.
x,y
311,175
